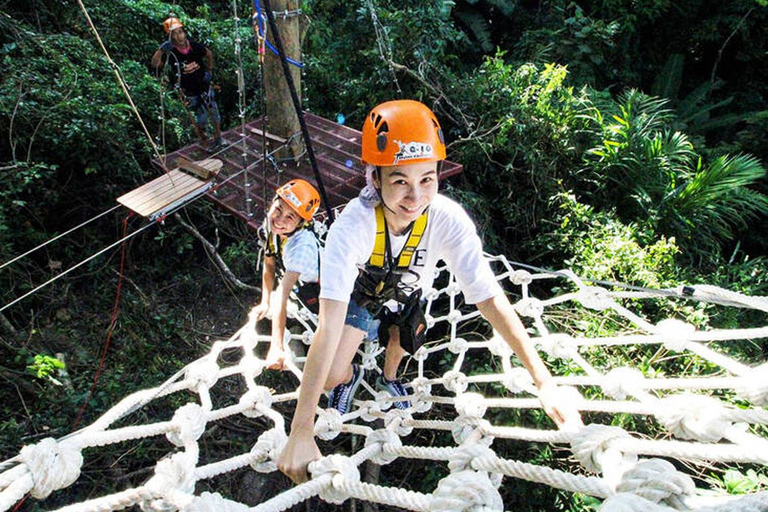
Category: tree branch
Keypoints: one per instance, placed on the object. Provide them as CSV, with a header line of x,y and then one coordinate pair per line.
x,y
211,250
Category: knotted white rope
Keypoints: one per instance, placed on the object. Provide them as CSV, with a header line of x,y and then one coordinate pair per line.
x,y
627,483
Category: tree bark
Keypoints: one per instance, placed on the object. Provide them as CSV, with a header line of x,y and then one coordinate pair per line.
x,y
281,114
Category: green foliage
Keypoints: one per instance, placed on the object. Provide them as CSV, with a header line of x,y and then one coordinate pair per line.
x,y
652,175
44,367
734,481
599,246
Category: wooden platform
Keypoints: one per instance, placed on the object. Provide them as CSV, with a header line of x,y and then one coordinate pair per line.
x,y
170,191
245,175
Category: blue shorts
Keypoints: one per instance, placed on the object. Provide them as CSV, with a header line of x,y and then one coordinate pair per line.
x,y
202,105
361,318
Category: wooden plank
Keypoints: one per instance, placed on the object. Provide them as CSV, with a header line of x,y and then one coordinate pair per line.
x,y
168,190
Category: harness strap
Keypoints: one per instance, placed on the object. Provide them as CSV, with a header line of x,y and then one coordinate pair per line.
x,y
381,245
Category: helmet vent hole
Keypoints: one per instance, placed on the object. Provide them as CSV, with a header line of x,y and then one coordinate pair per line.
x,y
381,142
377,120
384,128
440,135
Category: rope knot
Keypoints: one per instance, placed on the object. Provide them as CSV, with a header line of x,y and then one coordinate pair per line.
x,y
595,297
462,458
558,345
470,405
755,387
173,482
256,401
52,465
387,439
328,424
188,424
530,307
676,333
431,294
499,347
267,449
657,480
465,427
457,345
521,278
466,491
306,337
453,317
399,421
517,380
690,416
421,389
627,502
622,382
455,381
592,447
370,409
214,502
203,373
342,471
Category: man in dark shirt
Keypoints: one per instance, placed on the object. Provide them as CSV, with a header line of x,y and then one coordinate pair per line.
x,y
191,65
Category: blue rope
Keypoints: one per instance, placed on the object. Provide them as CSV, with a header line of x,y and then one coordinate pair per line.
x,y
260,24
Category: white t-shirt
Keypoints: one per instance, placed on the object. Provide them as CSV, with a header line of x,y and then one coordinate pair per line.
x,y
450,236
300,255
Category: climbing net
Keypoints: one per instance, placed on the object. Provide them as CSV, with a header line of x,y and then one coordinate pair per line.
x,y
625,470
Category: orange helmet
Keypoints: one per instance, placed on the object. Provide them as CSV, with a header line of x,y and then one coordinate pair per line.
x,y
402,132
172,24
301,196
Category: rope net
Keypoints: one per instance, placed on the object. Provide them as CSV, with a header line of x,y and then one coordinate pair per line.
x,y
627,471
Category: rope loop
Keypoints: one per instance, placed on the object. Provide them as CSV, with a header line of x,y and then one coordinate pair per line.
x,y
52,465
592,447
657,480
256,401
189,423
466,491
329,424
342,471
267,449
385,438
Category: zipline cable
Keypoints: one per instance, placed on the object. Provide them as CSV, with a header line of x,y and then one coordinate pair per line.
x,y
57,237
19,299
297,107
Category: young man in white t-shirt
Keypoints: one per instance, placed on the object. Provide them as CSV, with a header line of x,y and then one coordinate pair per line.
x,y
403,148
292,253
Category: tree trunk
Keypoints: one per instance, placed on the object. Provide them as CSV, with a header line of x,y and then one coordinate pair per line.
x,y
281,114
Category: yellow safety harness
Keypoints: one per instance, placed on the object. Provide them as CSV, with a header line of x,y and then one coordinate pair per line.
x,y
381,246
378,281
